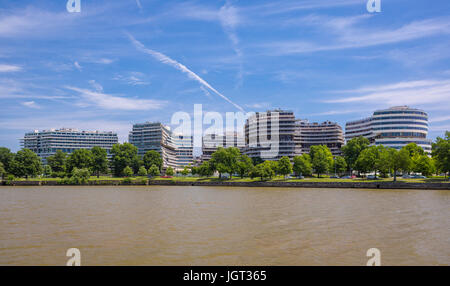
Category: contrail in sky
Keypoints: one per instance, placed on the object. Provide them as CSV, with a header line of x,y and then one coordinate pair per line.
x,y
166,60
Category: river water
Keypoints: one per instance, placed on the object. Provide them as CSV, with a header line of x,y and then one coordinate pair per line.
x,y
161,225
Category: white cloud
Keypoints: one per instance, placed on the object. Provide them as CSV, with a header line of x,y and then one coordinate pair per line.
x,y
104,61
348,35
229,19
228,16
9,68
78,121
11,88
33,21
409,92
31,104
133,78
77,65
98,87
260,105
439,119
274,7
138,3
439,127
108,101
166,60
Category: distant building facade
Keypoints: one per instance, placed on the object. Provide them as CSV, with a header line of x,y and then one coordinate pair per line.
x,y
45,143
210,143
271,135
174,150
327,133
394,127
184,150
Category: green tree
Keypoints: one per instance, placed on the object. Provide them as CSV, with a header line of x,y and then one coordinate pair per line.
x,y
257,160
399,161
26,163
154,170
80,176
339,165
441,153
123,155
302,165
414,149
321,159
382,161
6,158
169,171
274,165
423,164
127,171
263,171
352,149
185,171
374,159
80,158
225,160
151,158
58,161
284,166
244,165
2,170
142,171
366,161
47,171
205,169
99,161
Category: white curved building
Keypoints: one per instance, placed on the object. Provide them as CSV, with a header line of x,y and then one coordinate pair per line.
x,y
394,127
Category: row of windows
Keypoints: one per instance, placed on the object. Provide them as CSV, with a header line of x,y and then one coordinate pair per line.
x,y
399,112
404,142
400,117
401,127
403,134
401,122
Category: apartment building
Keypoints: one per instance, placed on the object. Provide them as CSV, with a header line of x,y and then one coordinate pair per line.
x,y
327,133
271,135
394,127
46,142
175,150
210,143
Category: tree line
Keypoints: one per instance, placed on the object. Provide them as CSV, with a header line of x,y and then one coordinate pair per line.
x,y
82,163
358,155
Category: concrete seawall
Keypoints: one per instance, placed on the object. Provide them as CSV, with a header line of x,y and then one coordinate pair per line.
x,y
303,184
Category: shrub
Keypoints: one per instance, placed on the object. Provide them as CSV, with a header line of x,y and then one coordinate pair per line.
x,y
142,171
126,181
169,171
10,179
47,171
64,181
154,170
80,176
127,171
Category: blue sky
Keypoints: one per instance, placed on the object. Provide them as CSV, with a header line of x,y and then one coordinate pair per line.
x,y
121,62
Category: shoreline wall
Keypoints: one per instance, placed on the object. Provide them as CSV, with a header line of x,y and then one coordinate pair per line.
x,y
305,184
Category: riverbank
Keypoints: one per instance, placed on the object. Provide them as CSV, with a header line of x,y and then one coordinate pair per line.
x,y
226,183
